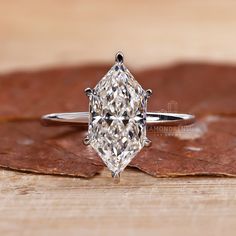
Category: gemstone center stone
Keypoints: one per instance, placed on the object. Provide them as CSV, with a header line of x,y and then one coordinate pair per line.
x,y
117,123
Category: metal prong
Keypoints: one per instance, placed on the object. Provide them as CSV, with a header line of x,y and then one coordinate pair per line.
x,y
119,57
148,93
148,142
86,140
116,177
88,91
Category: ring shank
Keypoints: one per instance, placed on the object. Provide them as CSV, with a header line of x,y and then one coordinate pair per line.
x,y
153,119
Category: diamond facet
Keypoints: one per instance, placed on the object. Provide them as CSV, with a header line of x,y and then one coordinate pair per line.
x,y
117,123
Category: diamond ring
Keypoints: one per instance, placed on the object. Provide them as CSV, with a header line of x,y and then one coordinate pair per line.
x,y
117,119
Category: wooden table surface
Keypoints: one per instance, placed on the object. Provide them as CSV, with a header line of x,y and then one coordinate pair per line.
x,y
139,205
151,32
35,34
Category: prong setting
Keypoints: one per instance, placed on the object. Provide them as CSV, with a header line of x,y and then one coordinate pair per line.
x,y
148,93
86,141
116,176
148,142
88,91
119,57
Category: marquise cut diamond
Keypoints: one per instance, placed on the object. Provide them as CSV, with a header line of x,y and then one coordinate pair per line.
x,y
117,123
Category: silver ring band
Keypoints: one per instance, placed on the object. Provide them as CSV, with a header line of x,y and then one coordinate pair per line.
x,y
152,119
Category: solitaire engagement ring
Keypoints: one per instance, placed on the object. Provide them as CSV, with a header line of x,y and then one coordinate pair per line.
x,y
117,119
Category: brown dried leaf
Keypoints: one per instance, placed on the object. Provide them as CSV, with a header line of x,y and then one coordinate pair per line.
x,y
208,148
27,146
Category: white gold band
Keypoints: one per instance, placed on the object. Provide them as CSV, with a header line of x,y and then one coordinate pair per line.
x,y
152,119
